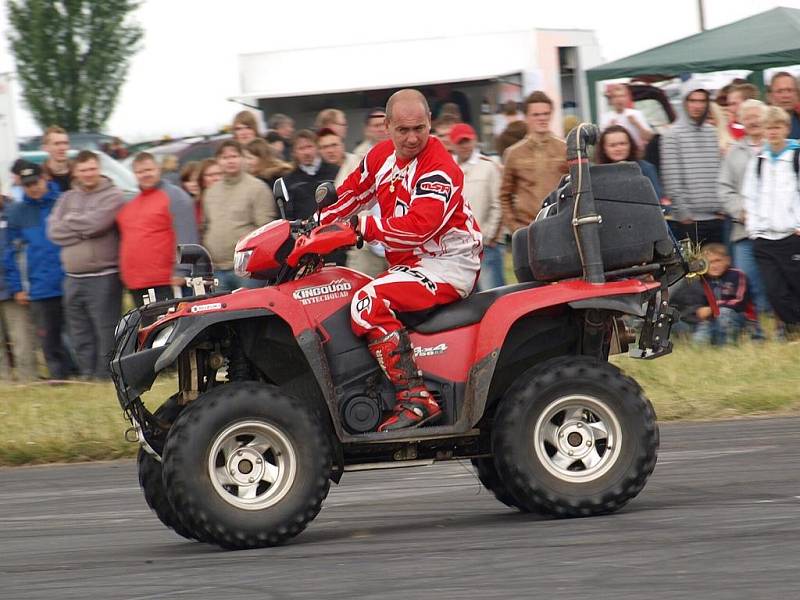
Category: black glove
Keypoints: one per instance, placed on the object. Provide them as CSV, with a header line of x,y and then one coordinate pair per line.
x,y
354,223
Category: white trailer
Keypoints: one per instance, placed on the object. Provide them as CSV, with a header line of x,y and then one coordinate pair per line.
x,y
478,69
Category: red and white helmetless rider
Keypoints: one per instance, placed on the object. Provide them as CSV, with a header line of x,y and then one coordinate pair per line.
x,y
433,245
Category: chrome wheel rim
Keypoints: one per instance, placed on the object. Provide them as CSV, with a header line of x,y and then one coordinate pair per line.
x,y
252,465
577,438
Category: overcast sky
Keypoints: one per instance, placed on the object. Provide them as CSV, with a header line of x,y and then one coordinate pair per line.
x,y
187,68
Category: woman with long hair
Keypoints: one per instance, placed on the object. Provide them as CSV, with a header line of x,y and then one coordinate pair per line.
x,y
263,162
188,178
244,127
616,145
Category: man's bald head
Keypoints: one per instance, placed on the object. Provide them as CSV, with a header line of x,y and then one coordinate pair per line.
x,y
403,100
408,122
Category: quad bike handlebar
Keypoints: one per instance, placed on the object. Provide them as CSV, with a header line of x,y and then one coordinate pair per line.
x,y
320,240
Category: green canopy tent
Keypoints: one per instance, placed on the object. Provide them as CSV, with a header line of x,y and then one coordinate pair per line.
x,y
768,39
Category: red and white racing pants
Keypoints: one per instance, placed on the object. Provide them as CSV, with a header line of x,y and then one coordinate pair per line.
x,y
400,289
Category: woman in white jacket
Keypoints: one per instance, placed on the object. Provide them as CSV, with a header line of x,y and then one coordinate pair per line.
x,y
772,217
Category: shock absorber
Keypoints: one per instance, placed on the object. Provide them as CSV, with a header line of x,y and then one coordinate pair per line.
x,y
596,333
238,365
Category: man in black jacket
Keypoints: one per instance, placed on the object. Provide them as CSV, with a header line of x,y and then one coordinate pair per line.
x,y
309,171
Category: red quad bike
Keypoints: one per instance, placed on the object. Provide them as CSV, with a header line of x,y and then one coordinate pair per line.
x,y
277,397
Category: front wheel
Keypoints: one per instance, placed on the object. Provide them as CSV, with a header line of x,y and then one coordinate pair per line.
x,y
149,469
248,465
577,438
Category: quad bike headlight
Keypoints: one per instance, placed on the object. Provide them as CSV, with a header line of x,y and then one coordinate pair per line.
x,y
162,336
240,260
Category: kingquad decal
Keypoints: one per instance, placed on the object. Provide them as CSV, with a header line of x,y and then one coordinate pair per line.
x,y
440,349
205,307
323,293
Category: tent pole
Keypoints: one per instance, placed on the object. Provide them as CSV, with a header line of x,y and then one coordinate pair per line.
x,y
757,79
702,14
591,81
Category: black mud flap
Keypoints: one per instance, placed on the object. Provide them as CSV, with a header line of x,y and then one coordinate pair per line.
x,y
654,339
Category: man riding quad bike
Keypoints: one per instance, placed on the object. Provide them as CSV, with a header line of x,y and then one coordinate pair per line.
x,y
278,393
432,241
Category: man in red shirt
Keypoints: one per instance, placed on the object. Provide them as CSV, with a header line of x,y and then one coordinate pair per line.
x,y
433,244
150,227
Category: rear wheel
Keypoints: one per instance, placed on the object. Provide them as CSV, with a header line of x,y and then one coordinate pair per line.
x,y
577,438
488,476
248,465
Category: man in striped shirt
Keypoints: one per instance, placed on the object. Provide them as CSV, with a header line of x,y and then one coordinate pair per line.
x,y
690,162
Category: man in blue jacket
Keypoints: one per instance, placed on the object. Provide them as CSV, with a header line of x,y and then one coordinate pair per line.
x,y
6,346
27,226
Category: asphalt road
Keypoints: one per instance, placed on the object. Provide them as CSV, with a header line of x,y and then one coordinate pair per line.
x,y
720,518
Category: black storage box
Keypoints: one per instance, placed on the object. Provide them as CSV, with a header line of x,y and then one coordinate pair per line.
x,y
633,230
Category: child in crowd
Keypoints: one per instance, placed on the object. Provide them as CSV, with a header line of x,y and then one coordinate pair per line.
x,y
730,289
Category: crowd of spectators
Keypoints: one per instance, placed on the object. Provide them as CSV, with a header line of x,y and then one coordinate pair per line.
x,y
726,173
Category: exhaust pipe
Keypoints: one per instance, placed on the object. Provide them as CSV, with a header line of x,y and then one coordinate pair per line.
x,y
585,220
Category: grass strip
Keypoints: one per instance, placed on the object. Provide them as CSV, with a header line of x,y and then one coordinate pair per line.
x,y
40,423
753,378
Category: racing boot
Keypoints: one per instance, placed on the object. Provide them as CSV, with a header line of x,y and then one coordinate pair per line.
x,y
414,404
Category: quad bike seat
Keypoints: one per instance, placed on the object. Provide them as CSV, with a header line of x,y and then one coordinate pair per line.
x,y
461,313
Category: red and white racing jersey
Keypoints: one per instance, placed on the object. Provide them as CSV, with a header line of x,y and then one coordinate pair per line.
x,y
424,220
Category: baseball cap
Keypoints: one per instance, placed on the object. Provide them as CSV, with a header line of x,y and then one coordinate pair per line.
x,y
462,131
30,173
18,165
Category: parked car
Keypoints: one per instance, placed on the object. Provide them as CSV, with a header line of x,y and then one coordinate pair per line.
x,y
113,169
654,103
186,150
80,140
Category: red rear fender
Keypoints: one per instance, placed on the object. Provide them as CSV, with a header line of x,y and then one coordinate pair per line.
x,y
507,309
